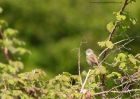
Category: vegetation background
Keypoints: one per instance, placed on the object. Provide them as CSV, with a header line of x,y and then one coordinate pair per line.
x,y
53,29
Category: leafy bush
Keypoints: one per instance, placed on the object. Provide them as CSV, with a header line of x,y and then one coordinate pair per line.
x,y
119,78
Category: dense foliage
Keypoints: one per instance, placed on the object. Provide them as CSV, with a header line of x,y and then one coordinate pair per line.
x,y
117,76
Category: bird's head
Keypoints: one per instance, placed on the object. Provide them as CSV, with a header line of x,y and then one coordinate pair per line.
x,y
89,51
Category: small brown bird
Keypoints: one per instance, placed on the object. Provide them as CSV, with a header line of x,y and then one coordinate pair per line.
x,y
91,57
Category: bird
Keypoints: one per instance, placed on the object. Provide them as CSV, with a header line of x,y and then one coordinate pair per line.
x,y
91,58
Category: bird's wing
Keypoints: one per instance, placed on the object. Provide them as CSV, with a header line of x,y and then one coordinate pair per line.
x,y
93,58
89,60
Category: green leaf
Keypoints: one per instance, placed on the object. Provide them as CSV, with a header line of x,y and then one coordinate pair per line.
x,y
109,44
131,1
122,65
21,51
114,74
102,44
94,85
120,17
7,42
132,59
84,73
6,96
97,71
2,65
133,20
10,32
138,56
120,57
16,64
102,69
18,42
110,26
3,24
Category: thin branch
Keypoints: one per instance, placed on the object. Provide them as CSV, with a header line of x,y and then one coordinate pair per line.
x,y
106,92
102,53
118,42
108,48
122,46
113,31
126,82
79,65
121,41
83,85
79,60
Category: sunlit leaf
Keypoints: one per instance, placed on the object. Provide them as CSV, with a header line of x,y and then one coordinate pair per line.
x,y
7,43
120,17
102,44
110,26
121,57
132,59
109,44
122,65
114,74
102,69
21,51
133,21
10,32
84,73
3,24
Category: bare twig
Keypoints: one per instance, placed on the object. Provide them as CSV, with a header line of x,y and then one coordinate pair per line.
x,y
83,85
79,61
105,92
102,53
118,42
79,65
108,48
